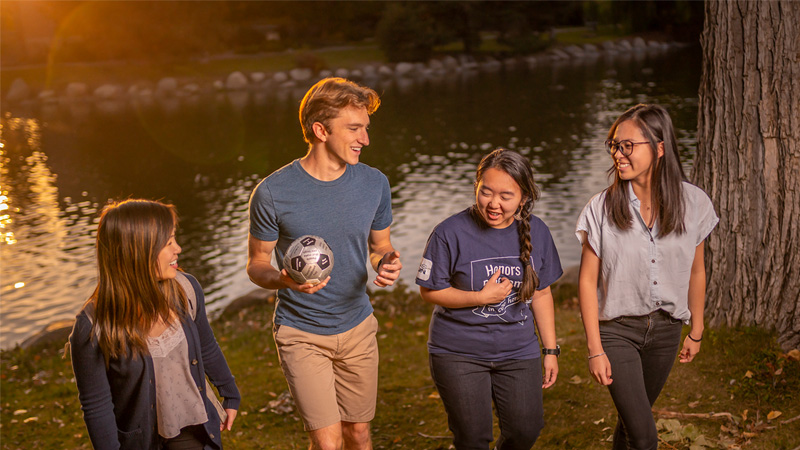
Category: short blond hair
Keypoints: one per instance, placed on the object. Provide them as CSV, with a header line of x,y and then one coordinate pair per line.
x,y
327,97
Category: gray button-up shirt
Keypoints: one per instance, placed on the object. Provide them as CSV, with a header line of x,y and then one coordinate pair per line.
x,y
639,271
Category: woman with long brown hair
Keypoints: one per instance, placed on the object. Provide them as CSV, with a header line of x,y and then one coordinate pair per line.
x,y
642,274
142,346
488,270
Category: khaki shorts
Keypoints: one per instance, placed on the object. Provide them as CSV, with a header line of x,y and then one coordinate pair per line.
x,y
332,378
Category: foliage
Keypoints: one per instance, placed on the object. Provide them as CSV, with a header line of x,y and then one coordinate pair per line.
x,y
407,32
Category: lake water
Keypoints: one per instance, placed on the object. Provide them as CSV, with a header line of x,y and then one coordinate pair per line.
x,y
61,163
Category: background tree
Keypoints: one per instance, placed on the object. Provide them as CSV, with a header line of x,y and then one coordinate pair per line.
x,y
748,160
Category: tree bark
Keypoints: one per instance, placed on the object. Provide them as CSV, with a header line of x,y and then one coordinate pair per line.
x,y
748,161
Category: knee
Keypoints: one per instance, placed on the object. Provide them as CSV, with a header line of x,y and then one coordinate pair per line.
x,y
327,443
356,435
523,435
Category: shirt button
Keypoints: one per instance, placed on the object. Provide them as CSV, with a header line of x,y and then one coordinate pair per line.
x,y
194,362
200,388
652,260
651,239
211,435
658,303
655,282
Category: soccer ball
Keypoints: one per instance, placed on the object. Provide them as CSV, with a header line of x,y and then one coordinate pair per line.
x,y
308,259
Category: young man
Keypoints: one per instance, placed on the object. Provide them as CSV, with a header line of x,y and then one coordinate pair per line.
x,y
325,333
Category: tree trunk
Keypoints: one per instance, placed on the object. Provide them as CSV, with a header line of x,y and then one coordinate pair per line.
x,y
748,161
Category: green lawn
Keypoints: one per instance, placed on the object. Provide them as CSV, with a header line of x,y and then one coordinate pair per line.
x,y
740,375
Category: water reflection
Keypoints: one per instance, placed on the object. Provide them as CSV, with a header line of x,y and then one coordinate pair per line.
x,y
204,154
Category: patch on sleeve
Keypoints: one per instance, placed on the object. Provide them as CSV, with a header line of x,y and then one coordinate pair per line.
x,y
424,272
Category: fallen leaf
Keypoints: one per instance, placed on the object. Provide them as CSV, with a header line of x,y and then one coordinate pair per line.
x,y
598,422
31,419
434,394
20,411
576,380
748,374
694,404
793,355
779,371
773,415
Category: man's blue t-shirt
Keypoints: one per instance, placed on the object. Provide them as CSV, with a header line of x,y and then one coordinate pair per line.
x,y
462,254
290,203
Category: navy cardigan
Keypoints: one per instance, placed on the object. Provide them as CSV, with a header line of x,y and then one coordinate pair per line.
x,y
118,403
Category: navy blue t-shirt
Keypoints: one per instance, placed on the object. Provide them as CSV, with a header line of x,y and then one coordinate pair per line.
x,y
462,254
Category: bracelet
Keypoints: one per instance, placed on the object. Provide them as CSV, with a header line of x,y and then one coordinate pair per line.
x,y
689,335
595,356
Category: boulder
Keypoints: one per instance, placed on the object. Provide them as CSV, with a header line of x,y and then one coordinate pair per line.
x,y
218,85
54,335
609,47
76,89
48,95
236,81
325,73
342,72
19,90
575,51
624,45
108,92
449,62
403,69
385,71
590,48
491,65
280,77
639,44
258,77
257,297
301,74
436,65
558,54
167,86
356,74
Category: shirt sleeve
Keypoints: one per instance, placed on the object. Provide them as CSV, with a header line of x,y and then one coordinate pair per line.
x,y
590,222
383,216
706,216
263,217
214,363
434,269
550,271
94,390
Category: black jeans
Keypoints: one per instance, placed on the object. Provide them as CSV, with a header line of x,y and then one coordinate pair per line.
x,y
641,350
468,387
192,437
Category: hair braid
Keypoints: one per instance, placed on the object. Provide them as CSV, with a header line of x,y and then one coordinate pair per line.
x,y
530,281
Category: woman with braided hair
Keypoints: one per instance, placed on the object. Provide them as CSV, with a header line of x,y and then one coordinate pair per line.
x,y
488,271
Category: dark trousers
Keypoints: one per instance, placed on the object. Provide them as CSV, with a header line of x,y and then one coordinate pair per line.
x,y
641,350
468,387
192,437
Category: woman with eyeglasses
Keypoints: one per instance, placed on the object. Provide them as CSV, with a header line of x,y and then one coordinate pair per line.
x,y
642,274
142,346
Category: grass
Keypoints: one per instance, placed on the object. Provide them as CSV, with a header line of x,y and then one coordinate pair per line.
x,y
740,374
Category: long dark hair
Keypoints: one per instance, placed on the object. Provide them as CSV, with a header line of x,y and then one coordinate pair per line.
x,y
666,187
130,297
519,168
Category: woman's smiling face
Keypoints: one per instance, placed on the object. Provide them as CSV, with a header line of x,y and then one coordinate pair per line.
x,y
498,198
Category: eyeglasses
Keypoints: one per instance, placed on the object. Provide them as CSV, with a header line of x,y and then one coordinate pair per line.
x,y
624,146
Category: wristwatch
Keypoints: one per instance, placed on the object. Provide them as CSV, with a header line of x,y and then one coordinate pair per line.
x,y
552,351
